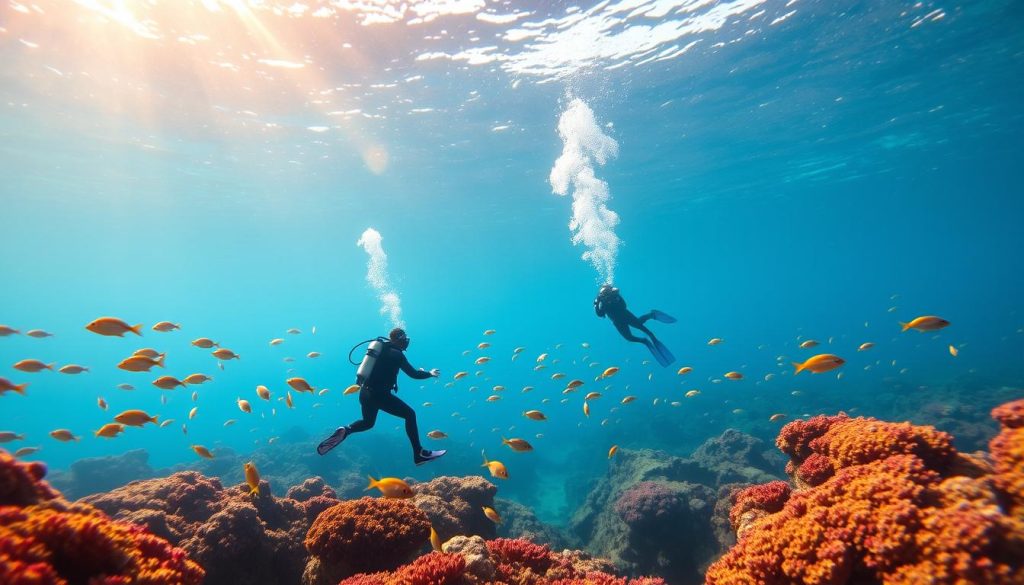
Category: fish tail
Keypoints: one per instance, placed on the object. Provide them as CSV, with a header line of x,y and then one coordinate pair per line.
x,y
137,329
160,362
799,368
154,419
20,388
51,366
255,490
904,325
373,483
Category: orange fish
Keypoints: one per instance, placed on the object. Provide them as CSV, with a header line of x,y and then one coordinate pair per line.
x,y
263,392
110,430
252,478
33,366
391,487
113,326
823,362
140,363
168,383
224,353
497,468
101,403
63,435
8,386
612,451
205,343
165,326
202,451
519,445
300,385
244,406
135,418
734,375
926,323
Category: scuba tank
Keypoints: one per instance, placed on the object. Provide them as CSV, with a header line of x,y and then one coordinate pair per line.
x,y
373,351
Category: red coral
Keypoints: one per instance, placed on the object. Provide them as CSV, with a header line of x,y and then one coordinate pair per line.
x,y
815,470
44,539
516,556
1010,415
1008,454
795,438
368,534
756,501
893,513
433,569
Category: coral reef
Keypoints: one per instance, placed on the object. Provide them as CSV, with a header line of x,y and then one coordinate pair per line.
x,y
453,505
237,537
902,507
473,561
368,534
46,540
100,474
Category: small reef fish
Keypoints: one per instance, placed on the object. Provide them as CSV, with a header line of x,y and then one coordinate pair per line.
x,y
489,332
461,375
539,367
496,468
575,383
715,341
148,352
483,345
63,435
8,436
493,398
808,344
195,396
244,406
692,393
953,351
196,379
300,385
8,386
609,372
225,354
435,540
612,451
135,418
140,363
684,370
5,331
527,389
26,451
110,430
437,435
823,362
351,390
313,355
627,399
428,404
276,341
865,346
925,323
323,391
229,422
734,375
776,417
167,422
288,400
542,357
202,451
492,515
165,326
535,415
192,413
38,333
499,388
168,383
592,396
204,343
391,487
517,445
112,326
293,331
33,366
252,478
482,360
557,376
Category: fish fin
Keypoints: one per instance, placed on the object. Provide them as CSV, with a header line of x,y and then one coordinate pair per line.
x,y
255,490
51,366
484,454
153,419
905,326
160,362
137,329
373,483
20,388
799,368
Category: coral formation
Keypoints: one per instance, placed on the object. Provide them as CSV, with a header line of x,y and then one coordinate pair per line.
x,y
898,509
368,534
237,537
453,504
46,540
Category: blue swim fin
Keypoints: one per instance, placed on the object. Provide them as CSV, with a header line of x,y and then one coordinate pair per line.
x,y
662,318
662,354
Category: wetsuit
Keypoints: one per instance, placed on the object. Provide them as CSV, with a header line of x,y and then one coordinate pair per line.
x,y
376,394
612,305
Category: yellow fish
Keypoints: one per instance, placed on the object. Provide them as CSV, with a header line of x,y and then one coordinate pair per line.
x,y
391,487
225,354
592,396
63,435
865,346
196,379
113,326
734,375
140,363
612,451
168,382
202,451
497,468
535,415
482,360
192,413
925,323
542,357
435,540
300,385
135,418
776,417
33,366
715,341
818,364
518,445
953,351
244,406
808,344
205,343
492,515
263,392
684,370
252,478
110,430
692,393
276,341
351,390
586,409
627,399
437,435
165,326
461,375
609,372
574,384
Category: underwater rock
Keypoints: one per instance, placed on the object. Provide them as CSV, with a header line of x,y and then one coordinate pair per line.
x,y
368,534
237,537
45,539
454,505
736,457
503,561
100,474
896,509
519,521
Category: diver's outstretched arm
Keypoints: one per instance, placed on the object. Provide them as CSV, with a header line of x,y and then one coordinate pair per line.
x,y
598,308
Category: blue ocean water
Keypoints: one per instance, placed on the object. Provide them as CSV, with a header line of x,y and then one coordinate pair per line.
x,y
781,171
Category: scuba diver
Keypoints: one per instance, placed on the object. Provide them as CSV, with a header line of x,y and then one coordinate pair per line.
x,y
378,378
609,302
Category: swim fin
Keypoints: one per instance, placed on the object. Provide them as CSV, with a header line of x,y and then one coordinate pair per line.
x,y
662,354
662,318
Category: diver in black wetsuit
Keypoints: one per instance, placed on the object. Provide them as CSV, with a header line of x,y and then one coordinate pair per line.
x,y
611,304
375,395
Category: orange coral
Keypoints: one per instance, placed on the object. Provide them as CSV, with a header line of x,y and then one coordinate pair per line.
x,y
46,540
894,512
1008,453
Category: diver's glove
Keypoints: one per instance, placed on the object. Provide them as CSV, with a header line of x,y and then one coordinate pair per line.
x,y
435,373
